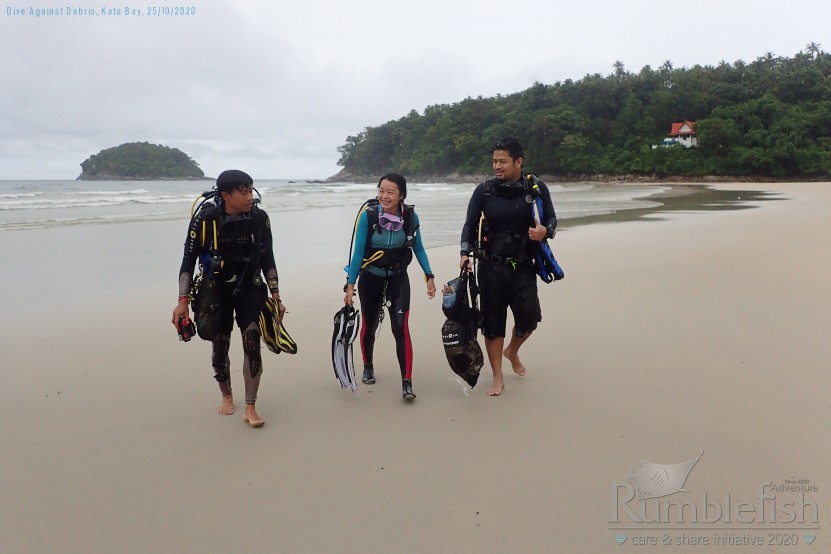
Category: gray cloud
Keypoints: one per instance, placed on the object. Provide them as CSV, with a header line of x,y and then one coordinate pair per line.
x,y
275,88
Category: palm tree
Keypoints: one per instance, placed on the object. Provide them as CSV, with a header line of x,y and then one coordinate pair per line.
x,y
813,49
770,60
620,71
665,71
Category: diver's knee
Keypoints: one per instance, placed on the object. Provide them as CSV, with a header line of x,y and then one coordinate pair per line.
x,y
251,342
219,351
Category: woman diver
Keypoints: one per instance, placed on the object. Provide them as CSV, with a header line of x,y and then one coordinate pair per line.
x,y
386,236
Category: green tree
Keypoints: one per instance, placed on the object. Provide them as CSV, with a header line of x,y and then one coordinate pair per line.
x,y
140,160
766,117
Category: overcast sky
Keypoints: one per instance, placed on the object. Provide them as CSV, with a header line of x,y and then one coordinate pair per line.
x,y
274,87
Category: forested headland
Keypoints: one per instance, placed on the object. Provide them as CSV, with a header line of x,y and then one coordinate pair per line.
x,y
140,161
768,119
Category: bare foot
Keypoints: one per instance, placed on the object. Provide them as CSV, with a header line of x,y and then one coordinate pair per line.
x,y
252,417
496,388
516,365
227,407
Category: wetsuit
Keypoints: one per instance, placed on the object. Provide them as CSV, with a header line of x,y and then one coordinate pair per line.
x,y
378,285
242,292
507,277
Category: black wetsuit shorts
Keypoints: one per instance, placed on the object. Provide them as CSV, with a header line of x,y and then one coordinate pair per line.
x,y
245,306
501,286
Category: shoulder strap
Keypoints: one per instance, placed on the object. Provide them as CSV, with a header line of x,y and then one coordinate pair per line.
x,y
410,227
489,184
209,232
488,192
259,218
371,222
372,211
364,207
532,184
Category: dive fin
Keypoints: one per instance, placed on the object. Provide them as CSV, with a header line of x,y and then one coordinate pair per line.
x,y
284,341
274,334
347,323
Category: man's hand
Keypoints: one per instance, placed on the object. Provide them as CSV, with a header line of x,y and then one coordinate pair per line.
x,y
179,311
538,232
281,308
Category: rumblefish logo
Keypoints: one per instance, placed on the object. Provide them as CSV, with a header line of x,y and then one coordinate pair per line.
x,y
656,480
640,501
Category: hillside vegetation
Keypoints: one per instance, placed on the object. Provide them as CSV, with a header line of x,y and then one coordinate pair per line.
x,y
768,118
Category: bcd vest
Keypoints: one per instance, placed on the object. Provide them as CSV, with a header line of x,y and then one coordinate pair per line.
x,y
395,258
240,249
506,246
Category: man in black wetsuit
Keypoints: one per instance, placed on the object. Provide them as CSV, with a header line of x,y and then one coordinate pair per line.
x,y
242,254
506,269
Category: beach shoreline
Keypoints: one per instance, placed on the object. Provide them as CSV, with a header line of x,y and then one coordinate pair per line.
x,y
671,334
346,176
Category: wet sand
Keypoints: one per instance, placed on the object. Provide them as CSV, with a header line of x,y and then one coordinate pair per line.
x,y
699,331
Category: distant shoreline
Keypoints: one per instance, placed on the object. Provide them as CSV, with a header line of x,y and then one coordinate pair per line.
x,y
345,176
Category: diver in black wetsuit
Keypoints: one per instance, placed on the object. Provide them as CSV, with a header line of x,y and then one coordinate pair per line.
x,y
242,253
506,272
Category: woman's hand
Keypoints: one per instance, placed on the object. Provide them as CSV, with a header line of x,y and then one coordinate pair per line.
x,y
431,287
348,298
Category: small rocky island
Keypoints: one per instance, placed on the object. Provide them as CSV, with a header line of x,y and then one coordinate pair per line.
x,y
140,161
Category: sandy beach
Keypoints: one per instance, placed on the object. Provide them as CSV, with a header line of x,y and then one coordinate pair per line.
x,y
672,335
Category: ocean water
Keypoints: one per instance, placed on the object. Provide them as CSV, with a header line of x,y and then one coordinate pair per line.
x,y
97,239
26,205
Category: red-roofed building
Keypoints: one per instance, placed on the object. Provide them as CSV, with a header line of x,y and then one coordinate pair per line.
x,y
681,133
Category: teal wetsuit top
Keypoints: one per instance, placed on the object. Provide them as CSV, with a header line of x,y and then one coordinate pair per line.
x,y
384,239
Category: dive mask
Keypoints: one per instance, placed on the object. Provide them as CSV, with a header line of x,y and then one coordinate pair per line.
x,y
390,222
